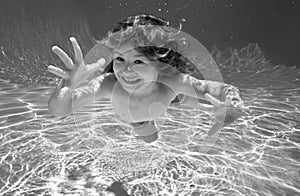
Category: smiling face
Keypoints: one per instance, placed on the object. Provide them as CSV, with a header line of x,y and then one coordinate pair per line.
x,y
135,72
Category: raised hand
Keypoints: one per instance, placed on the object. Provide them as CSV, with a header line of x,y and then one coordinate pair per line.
x,y
76,71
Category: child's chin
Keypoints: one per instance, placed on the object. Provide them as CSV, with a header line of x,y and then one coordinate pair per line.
x,y
129,89
149,138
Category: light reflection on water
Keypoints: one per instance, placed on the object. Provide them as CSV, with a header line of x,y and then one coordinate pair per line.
x,y
257,155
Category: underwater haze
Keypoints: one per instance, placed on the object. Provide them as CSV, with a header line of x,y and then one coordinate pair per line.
x,y
87,155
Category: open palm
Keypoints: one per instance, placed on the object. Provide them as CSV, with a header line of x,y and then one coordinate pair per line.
x,y
76,71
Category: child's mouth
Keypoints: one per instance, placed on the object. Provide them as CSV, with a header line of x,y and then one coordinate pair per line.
x,y
129,80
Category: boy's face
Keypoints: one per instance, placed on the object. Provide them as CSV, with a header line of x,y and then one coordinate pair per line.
x,y
133,69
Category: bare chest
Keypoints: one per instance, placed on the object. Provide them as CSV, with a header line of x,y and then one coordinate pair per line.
x,y
133,108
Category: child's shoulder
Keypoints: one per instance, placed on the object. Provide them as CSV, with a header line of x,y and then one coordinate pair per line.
x,y
180,81
175,79
173,82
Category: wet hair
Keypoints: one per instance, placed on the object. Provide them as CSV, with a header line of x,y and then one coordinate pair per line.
x,y
152,37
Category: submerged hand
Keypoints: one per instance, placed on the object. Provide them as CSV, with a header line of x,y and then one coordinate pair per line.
x,y
223,112
77,71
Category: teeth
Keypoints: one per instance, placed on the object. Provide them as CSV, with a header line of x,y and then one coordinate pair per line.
x,y
130,80
130,75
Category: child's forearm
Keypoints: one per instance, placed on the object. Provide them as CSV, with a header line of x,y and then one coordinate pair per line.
x,y
196,88
59,103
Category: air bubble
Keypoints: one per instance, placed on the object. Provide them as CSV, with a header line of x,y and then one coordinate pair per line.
x,y
184,43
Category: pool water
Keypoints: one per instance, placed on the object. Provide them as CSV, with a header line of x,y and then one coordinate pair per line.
x,y
84,153
89,153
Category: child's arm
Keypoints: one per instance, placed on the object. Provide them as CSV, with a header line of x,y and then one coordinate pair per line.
x,y
226,103
193,87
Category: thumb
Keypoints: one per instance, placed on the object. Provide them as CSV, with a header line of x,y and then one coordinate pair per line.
x,y
212,99
95,66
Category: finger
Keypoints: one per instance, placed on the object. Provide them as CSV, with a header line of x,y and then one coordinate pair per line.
x,y
95,66
64,57
238,103
77,50
214,129
212,100
246,111
205,107
57,71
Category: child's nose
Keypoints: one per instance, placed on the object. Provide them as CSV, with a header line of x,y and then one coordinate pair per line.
x,y
129,66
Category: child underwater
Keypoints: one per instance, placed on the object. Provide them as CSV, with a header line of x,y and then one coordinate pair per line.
x,y
144,74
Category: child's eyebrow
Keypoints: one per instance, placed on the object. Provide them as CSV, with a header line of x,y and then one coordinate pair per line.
x,y
137,55
117,53
140,55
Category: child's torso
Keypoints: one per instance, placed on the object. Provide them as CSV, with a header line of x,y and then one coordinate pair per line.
x,y
130,108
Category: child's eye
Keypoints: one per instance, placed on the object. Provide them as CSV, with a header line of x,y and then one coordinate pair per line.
x,y
138,62
119,59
